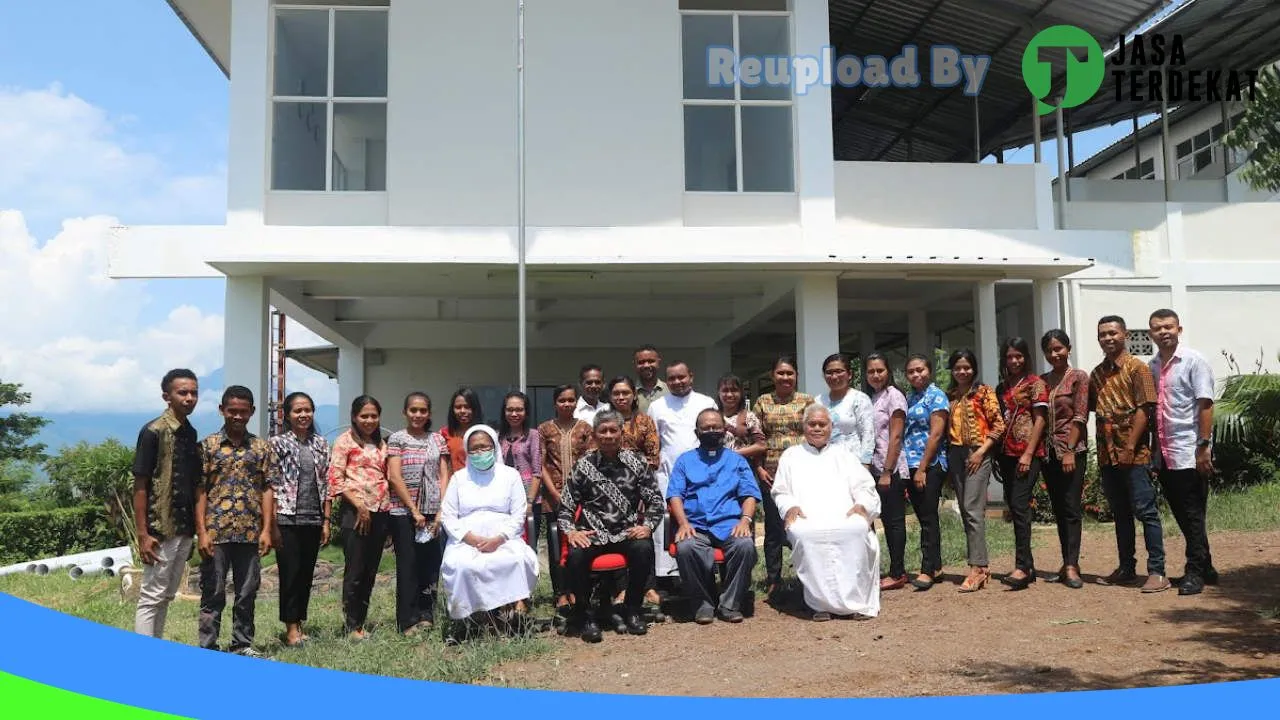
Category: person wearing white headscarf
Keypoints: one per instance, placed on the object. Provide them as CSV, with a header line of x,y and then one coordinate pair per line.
x,y
827,501
486,566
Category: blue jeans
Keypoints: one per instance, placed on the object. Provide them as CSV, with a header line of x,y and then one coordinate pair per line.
x,y
1131,494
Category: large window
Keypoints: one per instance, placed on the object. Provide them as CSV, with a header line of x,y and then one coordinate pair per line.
x,y
329,98
737,138
1145,171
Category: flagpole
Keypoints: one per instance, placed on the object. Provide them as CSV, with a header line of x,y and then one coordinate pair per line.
x,y
520,205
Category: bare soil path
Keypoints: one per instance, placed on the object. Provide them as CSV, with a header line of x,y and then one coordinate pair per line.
x,y
940,642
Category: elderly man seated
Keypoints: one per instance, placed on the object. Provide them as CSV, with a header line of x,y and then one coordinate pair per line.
x,y
828,501
610,504
712,496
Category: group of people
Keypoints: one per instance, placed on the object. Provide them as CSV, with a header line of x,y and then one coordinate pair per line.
x,y
644,485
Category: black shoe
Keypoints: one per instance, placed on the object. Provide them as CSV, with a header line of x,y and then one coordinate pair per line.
x,y
591,632
1019,583
1191,585
705,615
1208,578
729,616
635,625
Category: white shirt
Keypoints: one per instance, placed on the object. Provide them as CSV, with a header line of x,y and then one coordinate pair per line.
x,y
852,423
587,413
677,421
1180,386
825,484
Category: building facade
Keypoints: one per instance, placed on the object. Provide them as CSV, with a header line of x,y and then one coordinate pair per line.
x,y
374,176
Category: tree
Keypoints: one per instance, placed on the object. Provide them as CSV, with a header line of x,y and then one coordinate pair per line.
x,y
101,474
17,429
1258,135
15,480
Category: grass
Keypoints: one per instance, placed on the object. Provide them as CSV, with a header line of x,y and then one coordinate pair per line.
x,y
954,549
386,652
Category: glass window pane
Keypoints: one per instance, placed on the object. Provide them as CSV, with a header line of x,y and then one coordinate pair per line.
x,y
1184,149
302,53
766,149
359,146
765,42
360,54
710,149
298,137
700,33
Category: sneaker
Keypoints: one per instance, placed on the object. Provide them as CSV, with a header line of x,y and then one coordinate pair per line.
x,y
1156,583
1120,576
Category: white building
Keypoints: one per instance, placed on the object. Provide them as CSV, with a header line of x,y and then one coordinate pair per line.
x,y
373,196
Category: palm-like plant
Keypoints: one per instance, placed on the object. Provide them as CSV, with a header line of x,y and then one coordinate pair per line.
x,y
1248,410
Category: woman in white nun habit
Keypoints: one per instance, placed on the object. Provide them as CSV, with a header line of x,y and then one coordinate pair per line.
x,y
487,566
828,502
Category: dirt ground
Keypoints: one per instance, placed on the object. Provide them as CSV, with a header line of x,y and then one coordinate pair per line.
x,y
940,642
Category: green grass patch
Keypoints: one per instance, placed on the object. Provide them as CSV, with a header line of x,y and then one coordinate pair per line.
x,y
386,652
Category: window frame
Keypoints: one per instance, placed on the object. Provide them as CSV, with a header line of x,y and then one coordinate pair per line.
x,y
738,103
329,100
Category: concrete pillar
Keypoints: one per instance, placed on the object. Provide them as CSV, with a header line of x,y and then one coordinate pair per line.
x,y
350,380
985,338
815,171
718,362
817,328
248,110
918,333
1046,308
245,353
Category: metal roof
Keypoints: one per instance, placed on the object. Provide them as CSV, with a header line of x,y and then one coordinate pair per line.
x,y
937,124
1217,34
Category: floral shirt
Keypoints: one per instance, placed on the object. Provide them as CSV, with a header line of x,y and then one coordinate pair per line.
x,y
640,434
1068,405
420,469
1018,403
976,418
754,431
783,424
915,438
235,477
560,451
1116,392
361,469
285,470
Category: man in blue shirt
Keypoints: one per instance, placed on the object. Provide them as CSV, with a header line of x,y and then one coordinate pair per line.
x,y
712,496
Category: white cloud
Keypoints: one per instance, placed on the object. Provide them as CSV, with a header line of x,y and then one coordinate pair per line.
x,y
76,339
64,157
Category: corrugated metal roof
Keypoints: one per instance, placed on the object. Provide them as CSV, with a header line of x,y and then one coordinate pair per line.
x,y
936,124
1217,35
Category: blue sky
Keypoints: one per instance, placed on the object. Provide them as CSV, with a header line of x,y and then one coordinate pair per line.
x,y
110,111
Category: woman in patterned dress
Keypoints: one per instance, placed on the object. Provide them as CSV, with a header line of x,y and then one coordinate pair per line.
x,y
781,414
564,440
1024,401
924,445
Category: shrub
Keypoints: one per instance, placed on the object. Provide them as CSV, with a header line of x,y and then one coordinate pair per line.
x,y
34,535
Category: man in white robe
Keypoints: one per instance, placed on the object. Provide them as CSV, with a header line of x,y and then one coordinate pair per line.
x,y
676,416
828,502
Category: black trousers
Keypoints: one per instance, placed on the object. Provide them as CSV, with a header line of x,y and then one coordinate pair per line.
x,y
1066,494
296,559
552,518
1187,492
241,560
417,572
639,554
363,553
1017,497
925,503
893,515
775,536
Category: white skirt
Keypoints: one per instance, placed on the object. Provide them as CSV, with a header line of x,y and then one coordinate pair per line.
x,y
838,562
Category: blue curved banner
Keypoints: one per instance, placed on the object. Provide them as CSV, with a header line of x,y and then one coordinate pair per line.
x,y
96,661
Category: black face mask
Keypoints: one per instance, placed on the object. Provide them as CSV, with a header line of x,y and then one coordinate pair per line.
x,y
711,440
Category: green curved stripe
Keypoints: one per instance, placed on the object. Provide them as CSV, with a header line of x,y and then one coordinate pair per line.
x,y
31,699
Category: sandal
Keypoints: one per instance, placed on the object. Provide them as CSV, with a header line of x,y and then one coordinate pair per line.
x,y
924,581
975,582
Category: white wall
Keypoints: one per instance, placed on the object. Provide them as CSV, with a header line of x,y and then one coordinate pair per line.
x,y
604,130
938,195
1233,232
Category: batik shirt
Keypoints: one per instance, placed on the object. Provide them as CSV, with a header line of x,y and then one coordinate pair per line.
x,y
1116,392
783,424
235,477
609,496
1018,403
285,470
168,457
